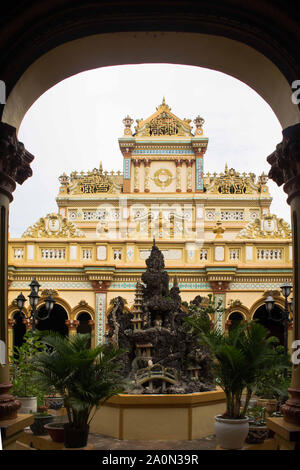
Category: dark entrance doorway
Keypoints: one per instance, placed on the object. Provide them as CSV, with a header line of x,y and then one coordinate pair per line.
x,y
19,330
274,326
235,318
56,321
84,326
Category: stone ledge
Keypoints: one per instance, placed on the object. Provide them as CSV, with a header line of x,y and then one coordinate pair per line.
x,y
285,430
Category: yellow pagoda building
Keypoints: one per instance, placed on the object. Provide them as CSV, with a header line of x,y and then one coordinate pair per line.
x,y
216,233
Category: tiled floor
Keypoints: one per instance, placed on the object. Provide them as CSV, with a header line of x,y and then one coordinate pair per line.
x,y
101,442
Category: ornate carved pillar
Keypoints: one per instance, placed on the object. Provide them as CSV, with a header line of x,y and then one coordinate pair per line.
x,y
285,170
72,326
100,289
219,289
10,343
178,164
136,180
28,323
14,168
189,176
147,176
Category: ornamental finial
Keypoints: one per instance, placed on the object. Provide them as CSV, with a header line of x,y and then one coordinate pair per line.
x,y
127,121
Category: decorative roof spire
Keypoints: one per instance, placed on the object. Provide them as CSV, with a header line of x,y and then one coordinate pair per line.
x,y
127,121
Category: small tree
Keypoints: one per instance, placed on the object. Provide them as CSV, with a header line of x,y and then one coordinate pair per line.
x,y
23,368
85,377
240,356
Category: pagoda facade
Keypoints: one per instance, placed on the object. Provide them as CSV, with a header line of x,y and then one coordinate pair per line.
x,y
215,231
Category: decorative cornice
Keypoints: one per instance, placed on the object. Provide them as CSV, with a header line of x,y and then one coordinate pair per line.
x,y
15,160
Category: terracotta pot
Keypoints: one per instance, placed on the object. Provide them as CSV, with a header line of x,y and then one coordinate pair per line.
x,y
231,433
271,406
56,431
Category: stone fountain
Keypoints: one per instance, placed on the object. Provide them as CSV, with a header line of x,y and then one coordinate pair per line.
x,y
163,356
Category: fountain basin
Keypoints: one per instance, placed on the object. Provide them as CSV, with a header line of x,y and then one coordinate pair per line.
x,y
159,417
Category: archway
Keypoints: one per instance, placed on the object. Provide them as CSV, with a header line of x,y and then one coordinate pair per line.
x,y
271,31
203,50
274,326
84,326
234,319
19,329
56,320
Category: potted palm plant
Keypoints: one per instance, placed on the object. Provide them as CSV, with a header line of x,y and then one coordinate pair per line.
x,y
239,357
85,377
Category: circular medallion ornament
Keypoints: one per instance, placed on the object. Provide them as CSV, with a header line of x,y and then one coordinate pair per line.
x,y
163,178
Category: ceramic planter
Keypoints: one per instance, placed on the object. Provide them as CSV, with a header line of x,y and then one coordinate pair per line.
x,y
54,402
257,434
37,427
28,405
231,433
56,431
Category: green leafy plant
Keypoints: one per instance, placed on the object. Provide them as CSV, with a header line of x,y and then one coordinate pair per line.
x,y
257,415
274,382
85,377
240,356
23,369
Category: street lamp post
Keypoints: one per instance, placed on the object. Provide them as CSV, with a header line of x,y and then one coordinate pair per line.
x,y
284,319
34,300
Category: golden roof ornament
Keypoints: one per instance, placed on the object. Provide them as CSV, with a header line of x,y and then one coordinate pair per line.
x,y
163,123
269,226
232,182
53,226
199,121
219,230
91,182
127,121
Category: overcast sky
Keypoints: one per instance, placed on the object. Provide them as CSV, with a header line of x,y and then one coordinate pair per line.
x,y
77,123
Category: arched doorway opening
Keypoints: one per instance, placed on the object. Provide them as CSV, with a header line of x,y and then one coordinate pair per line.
x,y
19,329
56,321
273,325
84,326
235,318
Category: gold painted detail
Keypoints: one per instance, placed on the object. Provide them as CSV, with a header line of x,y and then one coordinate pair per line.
x,y
53,226
219,230
163,123
232,182
92,182
163,178
47,292
270,226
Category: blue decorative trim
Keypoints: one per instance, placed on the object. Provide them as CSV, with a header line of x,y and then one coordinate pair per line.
x,y
126,169
199,174
162,152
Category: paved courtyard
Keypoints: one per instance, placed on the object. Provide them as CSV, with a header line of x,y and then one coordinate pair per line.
x,y
101,442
